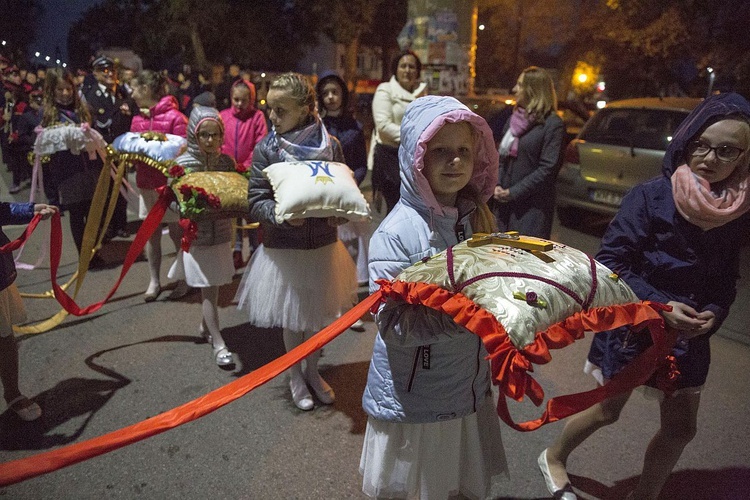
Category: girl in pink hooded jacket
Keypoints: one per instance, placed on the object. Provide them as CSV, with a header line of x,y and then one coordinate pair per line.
x,y
159,112
245,125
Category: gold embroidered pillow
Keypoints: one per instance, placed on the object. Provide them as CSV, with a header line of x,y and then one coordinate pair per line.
x,y
211,195
526,290
316,188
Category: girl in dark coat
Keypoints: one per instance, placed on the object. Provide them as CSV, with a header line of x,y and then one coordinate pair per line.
x,y
675,241
530,158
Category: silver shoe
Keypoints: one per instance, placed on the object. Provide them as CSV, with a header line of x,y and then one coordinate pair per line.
x,y
564,492
222,356
301,397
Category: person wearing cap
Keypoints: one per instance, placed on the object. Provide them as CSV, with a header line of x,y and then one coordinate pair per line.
x,y
112,112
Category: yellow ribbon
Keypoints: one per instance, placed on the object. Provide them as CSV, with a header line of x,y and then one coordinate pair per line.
x,y
92,238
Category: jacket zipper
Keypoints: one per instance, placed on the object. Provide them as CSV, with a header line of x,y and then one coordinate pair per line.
x,y
476,375
236,139
415,364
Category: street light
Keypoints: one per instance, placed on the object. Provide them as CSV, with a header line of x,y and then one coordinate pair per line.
x,y
711,78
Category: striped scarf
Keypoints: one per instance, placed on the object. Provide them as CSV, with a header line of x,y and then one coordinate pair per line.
x,y
310,142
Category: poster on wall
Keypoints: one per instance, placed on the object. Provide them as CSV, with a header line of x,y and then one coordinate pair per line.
x,y
445,62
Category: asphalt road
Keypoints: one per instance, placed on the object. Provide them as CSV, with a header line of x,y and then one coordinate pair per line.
x,y
132,360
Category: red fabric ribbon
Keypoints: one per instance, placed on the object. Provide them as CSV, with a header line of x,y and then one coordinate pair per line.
x,y
189,232
18,242
147,228
511,366
25,468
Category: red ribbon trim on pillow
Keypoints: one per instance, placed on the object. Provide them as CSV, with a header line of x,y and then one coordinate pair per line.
x,y
511,366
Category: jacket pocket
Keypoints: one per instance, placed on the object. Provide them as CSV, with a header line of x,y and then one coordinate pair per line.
x,y
421,358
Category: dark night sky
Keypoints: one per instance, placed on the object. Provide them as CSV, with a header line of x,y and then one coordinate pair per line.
x,y
54,23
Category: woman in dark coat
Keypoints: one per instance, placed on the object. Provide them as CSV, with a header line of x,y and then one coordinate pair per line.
x,y
530,158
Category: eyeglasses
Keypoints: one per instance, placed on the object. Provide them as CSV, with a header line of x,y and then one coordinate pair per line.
x,y
723,153
206,135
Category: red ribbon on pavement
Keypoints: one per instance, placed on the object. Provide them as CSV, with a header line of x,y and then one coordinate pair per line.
x,y
147,228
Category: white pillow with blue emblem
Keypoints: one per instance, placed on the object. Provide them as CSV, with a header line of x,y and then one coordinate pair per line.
x,y
316,188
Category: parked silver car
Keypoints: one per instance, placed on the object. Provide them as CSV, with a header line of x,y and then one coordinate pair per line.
x,y
622,145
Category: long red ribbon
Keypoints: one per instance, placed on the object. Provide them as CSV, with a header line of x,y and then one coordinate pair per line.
x,y
35,465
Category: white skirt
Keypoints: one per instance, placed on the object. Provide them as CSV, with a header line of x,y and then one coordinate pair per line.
x,y
12,311
301,290
204,266
146,201
434,460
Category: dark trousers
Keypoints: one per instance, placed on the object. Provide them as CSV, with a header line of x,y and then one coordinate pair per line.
x,y
386,177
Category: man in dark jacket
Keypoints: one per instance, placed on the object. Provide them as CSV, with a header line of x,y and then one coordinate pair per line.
x,y
111,111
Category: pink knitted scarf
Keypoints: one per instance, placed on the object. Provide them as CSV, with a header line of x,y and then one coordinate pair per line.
x,y
520,123
699,205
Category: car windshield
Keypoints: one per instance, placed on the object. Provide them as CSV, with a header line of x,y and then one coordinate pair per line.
x,y
639,128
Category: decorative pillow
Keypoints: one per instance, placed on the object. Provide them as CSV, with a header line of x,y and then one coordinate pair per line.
x,y
154,149
316,189
211,195
527,290
68,137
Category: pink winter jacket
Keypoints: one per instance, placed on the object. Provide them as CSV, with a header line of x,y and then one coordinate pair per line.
x,y
165,117
243,130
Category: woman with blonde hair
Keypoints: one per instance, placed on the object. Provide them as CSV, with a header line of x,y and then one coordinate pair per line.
x,y
530,158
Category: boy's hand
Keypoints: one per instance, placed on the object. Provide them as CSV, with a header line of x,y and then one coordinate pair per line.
x,y
687,320
45,210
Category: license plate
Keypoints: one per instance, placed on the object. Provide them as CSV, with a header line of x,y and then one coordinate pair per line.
x,y
608,197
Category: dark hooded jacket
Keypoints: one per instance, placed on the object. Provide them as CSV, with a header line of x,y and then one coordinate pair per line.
x,y
345,128
662,256
315,232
